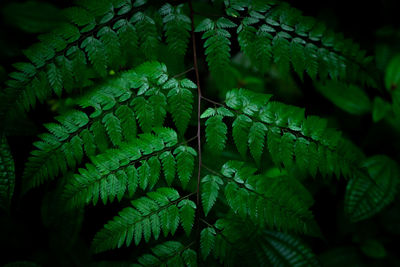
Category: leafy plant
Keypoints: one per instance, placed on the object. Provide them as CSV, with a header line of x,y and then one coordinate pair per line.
x,y
197,181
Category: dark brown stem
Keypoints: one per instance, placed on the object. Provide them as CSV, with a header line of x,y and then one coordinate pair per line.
x,y
212,101
183,73
196,68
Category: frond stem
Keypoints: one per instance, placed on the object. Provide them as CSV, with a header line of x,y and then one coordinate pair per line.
x,y
183,73
212,101
196,68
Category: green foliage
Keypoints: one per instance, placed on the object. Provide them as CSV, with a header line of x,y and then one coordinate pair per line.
x,y
268,248
245,192
28,17
279,202
160,211
347,97
170,253
117,171
366,197
217,44
112,122
286,36
177,26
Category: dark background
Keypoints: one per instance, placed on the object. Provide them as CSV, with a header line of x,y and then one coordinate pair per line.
x,y
24,235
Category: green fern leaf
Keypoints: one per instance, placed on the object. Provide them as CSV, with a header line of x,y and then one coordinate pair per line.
x,y
185,163
169,166
97,54
366,196
144,112
128,122
169,253
207,241
216,131
256,139
155,168
283,249
144,174
186,213
248,193
240,132
133,223
113,127
112,46
281,52
180,100
177,27
298,56
100,136
55,78
210,185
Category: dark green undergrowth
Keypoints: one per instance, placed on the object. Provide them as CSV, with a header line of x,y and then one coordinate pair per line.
x,y
197,133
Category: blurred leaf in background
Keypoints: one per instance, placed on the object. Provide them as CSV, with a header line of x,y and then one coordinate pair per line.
x,y
28,16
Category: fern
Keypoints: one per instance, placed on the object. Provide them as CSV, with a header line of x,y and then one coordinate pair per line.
x,y
116,171
115,106
177,26
148,217
128,83
291,137
366,197
292,38
170,253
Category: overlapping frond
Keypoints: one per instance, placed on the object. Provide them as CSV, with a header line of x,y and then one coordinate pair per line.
x,y
160,211
238,242
274,32
277,202
176,27
97,35
136,97
367,196
119,171
291,138
217,43
170,253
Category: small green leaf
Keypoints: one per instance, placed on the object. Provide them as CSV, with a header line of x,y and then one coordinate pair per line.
x,y
207,241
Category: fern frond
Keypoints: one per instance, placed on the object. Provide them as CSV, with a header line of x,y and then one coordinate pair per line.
x,y
169,166
170,253
217,44
187,212
284,249
7,174
59,61
240,132
112,173
280,31
185,163
210,185
256,140
180,100
258,197
207,241
239,242
292,138
176,27
367,196
147,217
117,105
279,202
216,131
